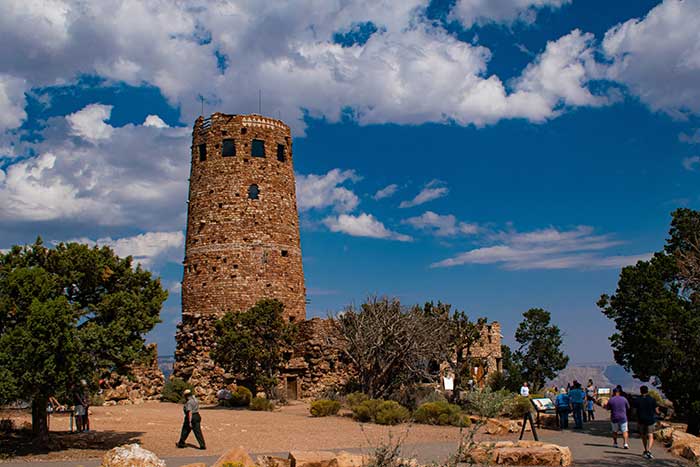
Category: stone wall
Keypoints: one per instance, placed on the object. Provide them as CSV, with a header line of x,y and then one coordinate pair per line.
x,y
242,240
318,363
141,382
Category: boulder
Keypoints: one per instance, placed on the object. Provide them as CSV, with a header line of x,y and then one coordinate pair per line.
x,y
131,455
346,459
236,456
664,435
272,461
312,459
685,445
523,453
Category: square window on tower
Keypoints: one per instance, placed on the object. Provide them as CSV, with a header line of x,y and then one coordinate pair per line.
x,y
228,148
202,152
258,148
281,153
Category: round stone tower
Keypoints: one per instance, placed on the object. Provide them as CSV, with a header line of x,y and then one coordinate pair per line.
x,y
242,241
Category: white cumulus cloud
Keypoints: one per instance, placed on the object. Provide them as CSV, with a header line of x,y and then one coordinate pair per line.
x,y
469,12
322,191
89,122
148,249
155,121
362,225
658,56
12,101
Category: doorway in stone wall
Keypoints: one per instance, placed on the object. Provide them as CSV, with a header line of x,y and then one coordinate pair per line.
x,y
292,393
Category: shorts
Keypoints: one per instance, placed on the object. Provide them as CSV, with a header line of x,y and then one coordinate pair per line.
x,y
79,410
620,427
646,430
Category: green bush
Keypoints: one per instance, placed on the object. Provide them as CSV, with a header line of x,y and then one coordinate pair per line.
x,y
261,404
366,410
241,397
381,412
517,407
356,398
391,413
440,413
173,390
324,408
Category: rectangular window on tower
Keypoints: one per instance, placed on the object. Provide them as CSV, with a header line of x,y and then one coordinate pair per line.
x,y
281,156
228,148
257,149
202,152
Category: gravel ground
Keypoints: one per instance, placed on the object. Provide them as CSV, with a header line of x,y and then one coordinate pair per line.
x,y
156,426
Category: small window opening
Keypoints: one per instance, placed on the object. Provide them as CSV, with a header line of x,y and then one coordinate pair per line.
x,y
228,148
281,155
253,192
235,266
244,130
292,319
202,152
258,148
285,253
221,205
213,268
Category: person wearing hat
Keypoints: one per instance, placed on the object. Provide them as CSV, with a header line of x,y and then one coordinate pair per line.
x,y
192,421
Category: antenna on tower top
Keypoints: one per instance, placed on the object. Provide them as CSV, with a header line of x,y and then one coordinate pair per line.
x,y
260,101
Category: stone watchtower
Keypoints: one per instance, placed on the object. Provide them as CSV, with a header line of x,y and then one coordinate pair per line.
x,y
242,240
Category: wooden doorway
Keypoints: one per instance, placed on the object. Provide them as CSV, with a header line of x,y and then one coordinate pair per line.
x,y
292,388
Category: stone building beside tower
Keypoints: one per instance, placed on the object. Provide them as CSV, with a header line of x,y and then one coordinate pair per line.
x,y
242,241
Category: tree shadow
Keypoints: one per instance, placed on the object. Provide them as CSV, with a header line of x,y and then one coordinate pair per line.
x,y
22,442
631,460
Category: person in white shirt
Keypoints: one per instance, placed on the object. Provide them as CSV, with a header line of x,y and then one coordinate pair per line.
x,y
524,390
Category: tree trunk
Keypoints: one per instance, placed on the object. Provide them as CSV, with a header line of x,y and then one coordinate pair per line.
x,y
694,423
40,426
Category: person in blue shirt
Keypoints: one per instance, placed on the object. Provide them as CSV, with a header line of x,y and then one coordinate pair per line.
x,y
563,408
577,397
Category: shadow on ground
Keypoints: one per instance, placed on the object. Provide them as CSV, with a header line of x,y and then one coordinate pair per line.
x,y
631,460
22,442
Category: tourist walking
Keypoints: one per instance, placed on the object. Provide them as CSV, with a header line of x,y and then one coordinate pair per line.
x,y
563,404
192,421
577,396
618,406
646,419
525,390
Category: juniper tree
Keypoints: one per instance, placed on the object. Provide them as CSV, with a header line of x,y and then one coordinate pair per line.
x,y
67,314
656,311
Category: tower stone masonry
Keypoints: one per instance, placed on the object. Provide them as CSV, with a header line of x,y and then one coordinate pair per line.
x,y
242,241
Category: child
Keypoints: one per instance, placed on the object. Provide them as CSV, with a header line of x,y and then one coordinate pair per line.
x,y
589,409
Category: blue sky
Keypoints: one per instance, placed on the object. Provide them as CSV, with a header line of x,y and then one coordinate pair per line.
x,y
495,155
